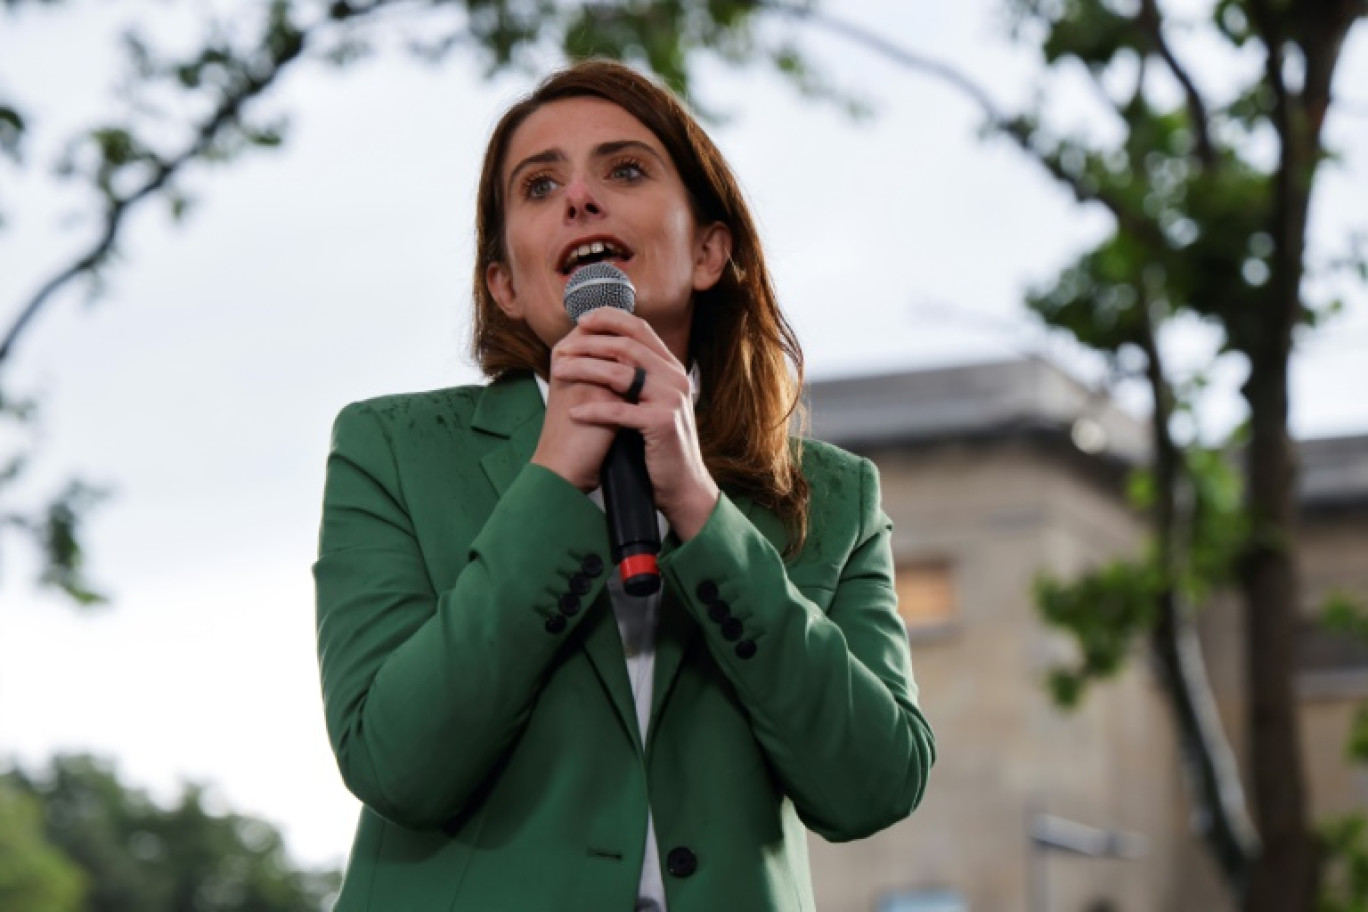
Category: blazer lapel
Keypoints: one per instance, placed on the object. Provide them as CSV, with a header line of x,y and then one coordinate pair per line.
x,y
512,408
675,634
603,644
677,629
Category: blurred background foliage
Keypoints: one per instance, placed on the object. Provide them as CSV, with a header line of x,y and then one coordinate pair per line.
x,y
74,837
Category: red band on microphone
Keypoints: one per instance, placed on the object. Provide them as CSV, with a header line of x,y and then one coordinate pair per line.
x,y
637,565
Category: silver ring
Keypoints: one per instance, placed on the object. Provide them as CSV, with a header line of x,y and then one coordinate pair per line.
x,y
638,381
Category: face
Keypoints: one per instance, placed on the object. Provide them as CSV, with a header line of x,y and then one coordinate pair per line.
x,y
583,181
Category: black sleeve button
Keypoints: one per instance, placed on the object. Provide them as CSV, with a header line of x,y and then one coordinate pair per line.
x,y
579,584
592,565
745,649
719,611
569,604
555,623
732,629
681,862
707,592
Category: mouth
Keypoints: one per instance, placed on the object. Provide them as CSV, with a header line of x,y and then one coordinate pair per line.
x,y
593,250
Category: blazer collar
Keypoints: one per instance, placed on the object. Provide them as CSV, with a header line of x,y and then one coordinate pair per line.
x,y
508,403
511,408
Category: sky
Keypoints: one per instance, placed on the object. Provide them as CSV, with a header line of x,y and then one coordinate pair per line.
x,y
200,389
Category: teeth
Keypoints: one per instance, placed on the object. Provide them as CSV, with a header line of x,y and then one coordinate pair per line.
x,y
584,251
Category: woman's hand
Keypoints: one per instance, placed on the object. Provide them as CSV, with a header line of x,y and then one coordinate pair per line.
x,y
591,369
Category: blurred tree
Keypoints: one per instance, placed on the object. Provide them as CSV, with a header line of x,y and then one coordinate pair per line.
x,y
140,857
1209,192
34,875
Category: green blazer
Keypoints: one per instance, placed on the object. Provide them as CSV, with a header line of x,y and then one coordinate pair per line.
x,y
477,697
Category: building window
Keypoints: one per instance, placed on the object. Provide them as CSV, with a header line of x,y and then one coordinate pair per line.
x,y
1331,664
926,594
923,901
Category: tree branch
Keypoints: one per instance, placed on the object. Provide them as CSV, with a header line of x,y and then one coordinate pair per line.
x,y
885,48
1271,34
1291,193
1322,40
206,134
1151,20
1214,777
1016,129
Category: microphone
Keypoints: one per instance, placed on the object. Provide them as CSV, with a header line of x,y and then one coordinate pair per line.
x,y
628,500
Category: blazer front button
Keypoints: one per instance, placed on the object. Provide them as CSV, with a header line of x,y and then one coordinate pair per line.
x,y
681,862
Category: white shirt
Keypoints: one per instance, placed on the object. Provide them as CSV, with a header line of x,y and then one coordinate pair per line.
x,y
637,617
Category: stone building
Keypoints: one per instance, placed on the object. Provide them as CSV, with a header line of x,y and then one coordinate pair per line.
x,y
996,473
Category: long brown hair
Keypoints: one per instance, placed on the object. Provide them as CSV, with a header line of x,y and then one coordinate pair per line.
x,y
749,360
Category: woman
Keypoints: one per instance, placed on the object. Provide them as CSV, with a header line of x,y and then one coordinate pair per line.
x,y
523,734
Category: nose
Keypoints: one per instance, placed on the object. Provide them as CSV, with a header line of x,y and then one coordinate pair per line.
x,y
580,202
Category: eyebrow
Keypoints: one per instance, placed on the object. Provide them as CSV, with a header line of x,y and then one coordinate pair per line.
x,y
602,150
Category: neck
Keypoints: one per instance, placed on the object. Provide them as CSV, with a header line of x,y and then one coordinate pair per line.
x,y
675,335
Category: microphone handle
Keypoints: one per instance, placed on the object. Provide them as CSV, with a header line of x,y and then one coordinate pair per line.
x,y
629,504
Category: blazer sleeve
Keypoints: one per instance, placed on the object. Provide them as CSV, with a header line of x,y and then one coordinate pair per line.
x,y
831,696
424,691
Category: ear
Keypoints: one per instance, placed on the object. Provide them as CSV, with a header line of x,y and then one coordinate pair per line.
x,y
711,255
500,284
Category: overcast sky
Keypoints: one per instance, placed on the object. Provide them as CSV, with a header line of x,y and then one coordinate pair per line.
x,y
201,389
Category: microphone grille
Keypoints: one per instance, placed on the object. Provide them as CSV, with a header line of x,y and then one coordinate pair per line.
x,y
598,285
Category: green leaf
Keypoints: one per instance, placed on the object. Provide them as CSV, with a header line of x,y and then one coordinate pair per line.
x,y
58,532
1140,489
1090,33
1356,748
1343,843
1232,21
1066,688
116,145
178,204
1345,613
1104,612
35,875
12,127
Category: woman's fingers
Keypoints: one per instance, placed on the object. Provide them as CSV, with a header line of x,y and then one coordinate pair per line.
x,y
629,337
593,369
613,375
649,419
611,361
612,321
684,490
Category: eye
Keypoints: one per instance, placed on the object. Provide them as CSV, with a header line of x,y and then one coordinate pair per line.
x,y
538,186
628,169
